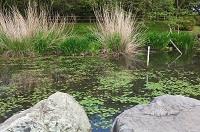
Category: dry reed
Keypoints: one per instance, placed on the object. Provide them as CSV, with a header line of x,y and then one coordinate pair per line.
x,y
17,31
116,21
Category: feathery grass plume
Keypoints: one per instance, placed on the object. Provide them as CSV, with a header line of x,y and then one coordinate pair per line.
x,y
21,35
118,30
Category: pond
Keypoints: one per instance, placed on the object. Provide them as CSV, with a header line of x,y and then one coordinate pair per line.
x,y
104,87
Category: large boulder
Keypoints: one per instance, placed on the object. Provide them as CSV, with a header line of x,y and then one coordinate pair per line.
x,y
59,113
164,114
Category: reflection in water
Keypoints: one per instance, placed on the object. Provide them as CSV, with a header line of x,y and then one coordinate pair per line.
x,y
130,62
103,87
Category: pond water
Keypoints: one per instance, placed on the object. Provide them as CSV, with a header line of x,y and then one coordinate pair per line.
x,y
104,87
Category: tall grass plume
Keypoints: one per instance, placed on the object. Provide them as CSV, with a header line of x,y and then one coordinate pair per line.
x,y
118,30
22,35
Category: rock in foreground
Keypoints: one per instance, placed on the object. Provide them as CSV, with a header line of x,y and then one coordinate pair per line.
x,y
59,113
164,114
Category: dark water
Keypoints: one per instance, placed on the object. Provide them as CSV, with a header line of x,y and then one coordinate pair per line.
x,y
105,87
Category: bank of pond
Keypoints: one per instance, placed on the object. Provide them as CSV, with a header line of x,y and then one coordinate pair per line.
x,y
115,32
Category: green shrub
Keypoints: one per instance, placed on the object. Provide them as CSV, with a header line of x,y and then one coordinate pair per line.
x,y
184,41
75,45
48,43
14,47
94,44
94,47
158,40
113,42
197,18
82,28
183,24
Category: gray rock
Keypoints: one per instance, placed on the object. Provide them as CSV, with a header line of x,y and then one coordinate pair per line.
x,y
164,114
59,113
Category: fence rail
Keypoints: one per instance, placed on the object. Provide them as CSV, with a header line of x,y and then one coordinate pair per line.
x,y
91,19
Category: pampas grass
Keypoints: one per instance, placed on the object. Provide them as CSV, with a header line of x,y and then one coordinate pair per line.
x,y
20,35
118,30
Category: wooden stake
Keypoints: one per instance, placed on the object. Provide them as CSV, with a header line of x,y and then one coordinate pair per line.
x,y
148,56
176,47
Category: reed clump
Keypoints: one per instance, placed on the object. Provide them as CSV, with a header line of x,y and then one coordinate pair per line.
x,y
31,33
118,30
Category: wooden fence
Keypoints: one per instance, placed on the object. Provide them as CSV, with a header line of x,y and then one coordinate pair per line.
x,y
81,19
92,19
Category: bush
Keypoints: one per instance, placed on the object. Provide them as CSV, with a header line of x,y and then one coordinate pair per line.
x,y
183,24
197,18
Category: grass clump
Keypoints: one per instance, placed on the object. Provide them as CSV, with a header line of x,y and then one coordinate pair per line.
x,y
158,40
22,35
183,40
117,30
80,45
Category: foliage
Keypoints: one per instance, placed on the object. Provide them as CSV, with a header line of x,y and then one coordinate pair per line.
x,y
157,26
77,45
158,40
115,81
85,7
47,43
182,23
183,40
11,48
177,87
113,42
197,18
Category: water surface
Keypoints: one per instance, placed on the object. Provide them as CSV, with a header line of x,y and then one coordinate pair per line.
x,y
105,87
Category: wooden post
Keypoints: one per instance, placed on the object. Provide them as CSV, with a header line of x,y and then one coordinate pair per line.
x,y
90,19
148,56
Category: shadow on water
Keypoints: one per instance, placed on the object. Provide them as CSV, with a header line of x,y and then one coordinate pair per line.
x,y
104,87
